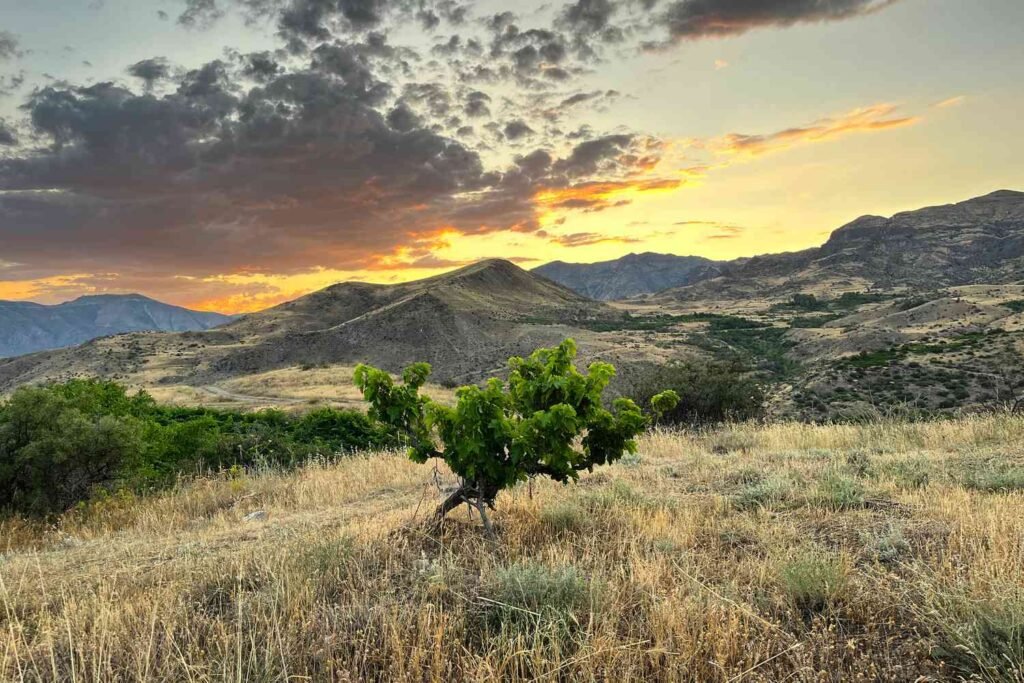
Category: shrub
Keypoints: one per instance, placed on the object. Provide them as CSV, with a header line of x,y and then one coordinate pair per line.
x,y
57,445
709,393
498,436
531,598
838,491
995,479
770,491
61,443
563,516
813,582
982,639
910,473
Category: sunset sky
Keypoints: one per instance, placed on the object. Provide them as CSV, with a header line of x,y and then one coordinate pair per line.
x,y
232,154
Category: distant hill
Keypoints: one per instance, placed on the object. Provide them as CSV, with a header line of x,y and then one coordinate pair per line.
x,y
631,275
465,323
27,327
978,241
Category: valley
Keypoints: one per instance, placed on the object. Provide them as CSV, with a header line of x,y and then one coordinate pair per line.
x,y
922,313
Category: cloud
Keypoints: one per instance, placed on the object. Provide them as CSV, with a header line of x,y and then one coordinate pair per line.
x,y
598,195
8,138
517,130
200,14
951,102
151,71
586,239
726,232
698,19
260,165
9,46
866,119
342,151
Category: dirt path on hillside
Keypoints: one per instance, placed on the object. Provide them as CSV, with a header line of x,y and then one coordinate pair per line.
x,y
227,395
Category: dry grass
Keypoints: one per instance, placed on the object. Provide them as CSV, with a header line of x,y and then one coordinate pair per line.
x,y
754,553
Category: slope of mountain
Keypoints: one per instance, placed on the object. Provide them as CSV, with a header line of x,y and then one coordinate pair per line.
x,y
980,240
631,275
27,327
466,323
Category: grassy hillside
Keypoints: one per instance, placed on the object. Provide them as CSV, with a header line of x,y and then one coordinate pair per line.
x,y
757,553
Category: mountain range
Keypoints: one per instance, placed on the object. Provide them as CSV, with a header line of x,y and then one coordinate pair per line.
x,y
465,323
27,327
978,240
924,308
631,275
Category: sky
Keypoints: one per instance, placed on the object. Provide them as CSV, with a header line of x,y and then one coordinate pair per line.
x,y
233,154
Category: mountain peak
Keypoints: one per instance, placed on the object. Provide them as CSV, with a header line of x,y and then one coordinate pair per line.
x,y
36,327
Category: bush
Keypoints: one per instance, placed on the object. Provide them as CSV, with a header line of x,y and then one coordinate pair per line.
x,y
838,491
709,393
532,599
56,446
814,582
61,443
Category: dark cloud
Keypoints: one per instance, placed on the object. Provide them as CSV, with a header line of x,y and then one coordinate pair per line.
x,y
200,14
261,66
9,46
589,16
151,71
476,104
329,152
403,119
11,82
297,172
162,15
8,138
517,130
589,157
695,19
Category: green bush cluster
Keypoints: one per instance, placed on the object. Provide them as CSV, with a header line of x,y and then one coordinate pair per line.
x,y
61,443
709,392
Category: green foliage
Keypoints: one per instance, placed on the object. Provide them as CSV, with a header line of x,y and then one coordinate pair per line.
x,y
814,581
63,443
839,491
803,302
496,435
55,446
705,393
534,600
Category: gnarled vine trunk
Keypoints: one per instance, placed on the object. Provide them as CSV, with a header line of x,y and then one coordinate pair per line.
x,y
480,496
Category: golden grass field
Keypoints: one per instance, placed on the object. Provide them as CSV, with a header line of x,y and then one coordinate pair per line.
x,y
789,552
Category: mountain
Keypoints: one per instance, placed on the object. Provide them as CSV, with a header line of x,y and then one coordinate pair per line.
x,y
631,275
465,323
978,241
27,327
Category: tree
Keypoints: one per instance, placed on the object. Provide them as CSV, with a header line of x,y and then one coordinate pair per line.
x,y
499,435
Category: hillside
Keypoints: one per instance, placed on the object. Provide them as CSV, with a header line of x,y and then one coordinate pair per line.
x,y
27,327
466,323
631,275
978,241
876,552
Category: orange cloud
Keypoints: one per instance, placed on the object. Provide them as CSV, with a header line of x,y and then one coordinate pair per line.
x,y
599,195
585,239
865,119
951,102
